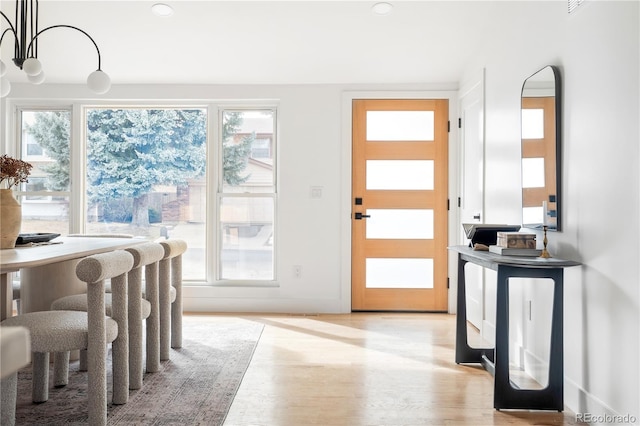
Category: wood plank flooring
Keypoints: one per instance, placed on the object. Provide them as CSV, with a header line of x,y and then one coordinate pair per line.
x,y
368,369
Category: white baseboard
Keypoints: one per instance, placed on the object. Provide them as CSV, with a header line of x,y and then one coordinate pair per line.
x,y
286,306
592,410
535,367
488,332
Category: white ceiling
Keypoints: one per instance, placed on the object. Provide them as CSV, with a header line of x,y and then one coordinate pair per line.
x,y
248,42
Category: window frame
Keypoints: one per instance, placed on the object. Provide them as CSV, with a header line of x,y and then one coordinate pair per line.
x,y
220,194
18,148
213,178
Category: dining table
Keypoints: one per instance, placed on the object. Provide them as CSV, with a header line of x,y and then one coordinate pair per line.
x,y
47,271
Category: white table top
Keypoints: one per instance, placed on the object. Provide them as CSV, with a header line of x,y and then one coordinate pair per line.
x,y
12,260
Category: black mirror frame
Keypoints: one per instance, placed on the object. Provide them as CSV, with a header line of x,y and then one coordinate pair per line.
x,y
558,141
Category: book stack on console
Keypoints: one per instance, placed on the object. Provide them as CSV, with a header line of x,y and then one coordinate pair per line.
x,y
515,244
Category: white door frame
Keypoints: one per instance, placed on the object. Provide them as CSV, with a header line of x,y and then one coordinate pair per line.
x,y
345,184
471,200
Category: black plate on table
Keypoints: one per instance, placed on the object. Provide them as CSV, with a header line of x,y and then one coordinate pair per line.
x,y
39,237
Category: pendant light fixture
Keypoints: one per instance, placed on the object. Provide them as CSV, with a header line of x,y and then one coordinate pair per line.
x,y
25,32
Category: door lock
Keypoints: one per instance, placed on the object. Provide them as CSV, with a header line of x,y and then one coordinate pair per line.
x,y
360,216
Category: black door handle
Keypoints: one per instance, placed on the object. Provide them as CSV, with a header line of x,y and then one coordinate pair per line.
x,y
360,216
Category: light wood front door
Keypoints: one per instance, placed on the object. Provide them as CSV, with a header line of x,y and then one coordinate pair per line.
x,y
539,148
399,205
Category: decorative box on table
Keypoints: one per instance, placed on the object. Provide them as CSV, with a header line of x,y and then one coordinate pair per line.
x,y
522,240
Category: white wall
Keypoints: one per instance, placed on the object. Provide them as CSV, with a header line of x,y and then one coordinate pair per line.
x,y
313,151
597,50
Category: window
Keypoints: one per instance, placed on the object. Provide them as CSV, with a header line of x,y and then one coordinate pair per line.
x,y
45,143
246,195
157,172
145,176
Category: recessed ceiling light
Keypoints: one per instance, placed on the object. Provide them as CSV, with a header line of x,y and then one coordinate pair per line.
x,y
162,9
382,8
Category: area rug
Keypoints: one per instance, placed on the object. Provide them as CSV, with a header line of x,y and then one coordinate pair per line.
x,y
195,387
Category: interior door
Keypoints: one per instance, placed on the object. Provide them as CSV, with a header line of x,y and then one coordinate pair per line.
x,y
472,189
399,205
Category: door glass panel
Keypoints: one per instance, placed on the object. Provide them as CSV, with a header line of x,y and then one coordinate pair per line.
x,y
400,174
400,125
399,273
532,215
404,224
533,172
532,124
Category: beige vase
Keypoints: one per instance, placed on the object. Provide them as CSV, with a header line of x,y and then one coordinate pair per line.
x,y
10,219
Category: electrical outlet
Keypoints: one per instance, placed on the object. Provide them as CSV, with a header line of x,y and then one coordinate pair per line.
x,y
297,271
316,192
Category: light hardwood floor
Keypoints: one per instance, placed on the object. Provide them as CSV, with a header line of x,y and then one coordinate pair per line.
x,y
368,369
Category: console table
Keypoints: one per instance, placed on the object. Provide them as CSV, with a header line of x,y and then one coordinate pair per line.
x,y
496,360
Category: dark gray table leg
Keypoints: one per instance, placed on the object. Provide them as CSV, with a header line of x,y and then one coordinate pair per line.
x,y
464,352
506,394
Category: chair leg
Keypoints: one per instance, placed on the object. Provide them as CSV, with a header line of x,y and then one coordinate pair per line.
x,y
40,382
60,369
120,346
135,355
8,393
176,324
153,327
83,360
165,309
135,328
176,306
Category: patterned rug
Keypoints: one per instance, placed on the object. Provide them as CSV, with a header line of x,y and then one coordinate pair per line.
x,y
195,387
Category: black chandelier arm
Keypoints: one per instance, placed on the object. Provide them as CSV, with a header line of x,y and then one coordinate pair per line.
x,y
13,30
4,32
29,48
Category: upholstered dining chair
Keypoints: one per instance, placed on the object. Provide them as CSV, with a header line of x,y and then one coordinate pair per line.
x,y
147,256
63,331
170,271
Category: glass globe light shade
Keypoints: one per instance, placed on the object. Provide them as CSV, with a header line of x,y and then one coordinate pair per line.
x,y
99,82
162,9
382,8
3,69
32,66
5,87
36,79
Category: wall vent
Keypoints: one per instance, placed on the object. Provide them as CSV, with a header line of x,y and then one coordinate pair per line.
x,y
574,4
